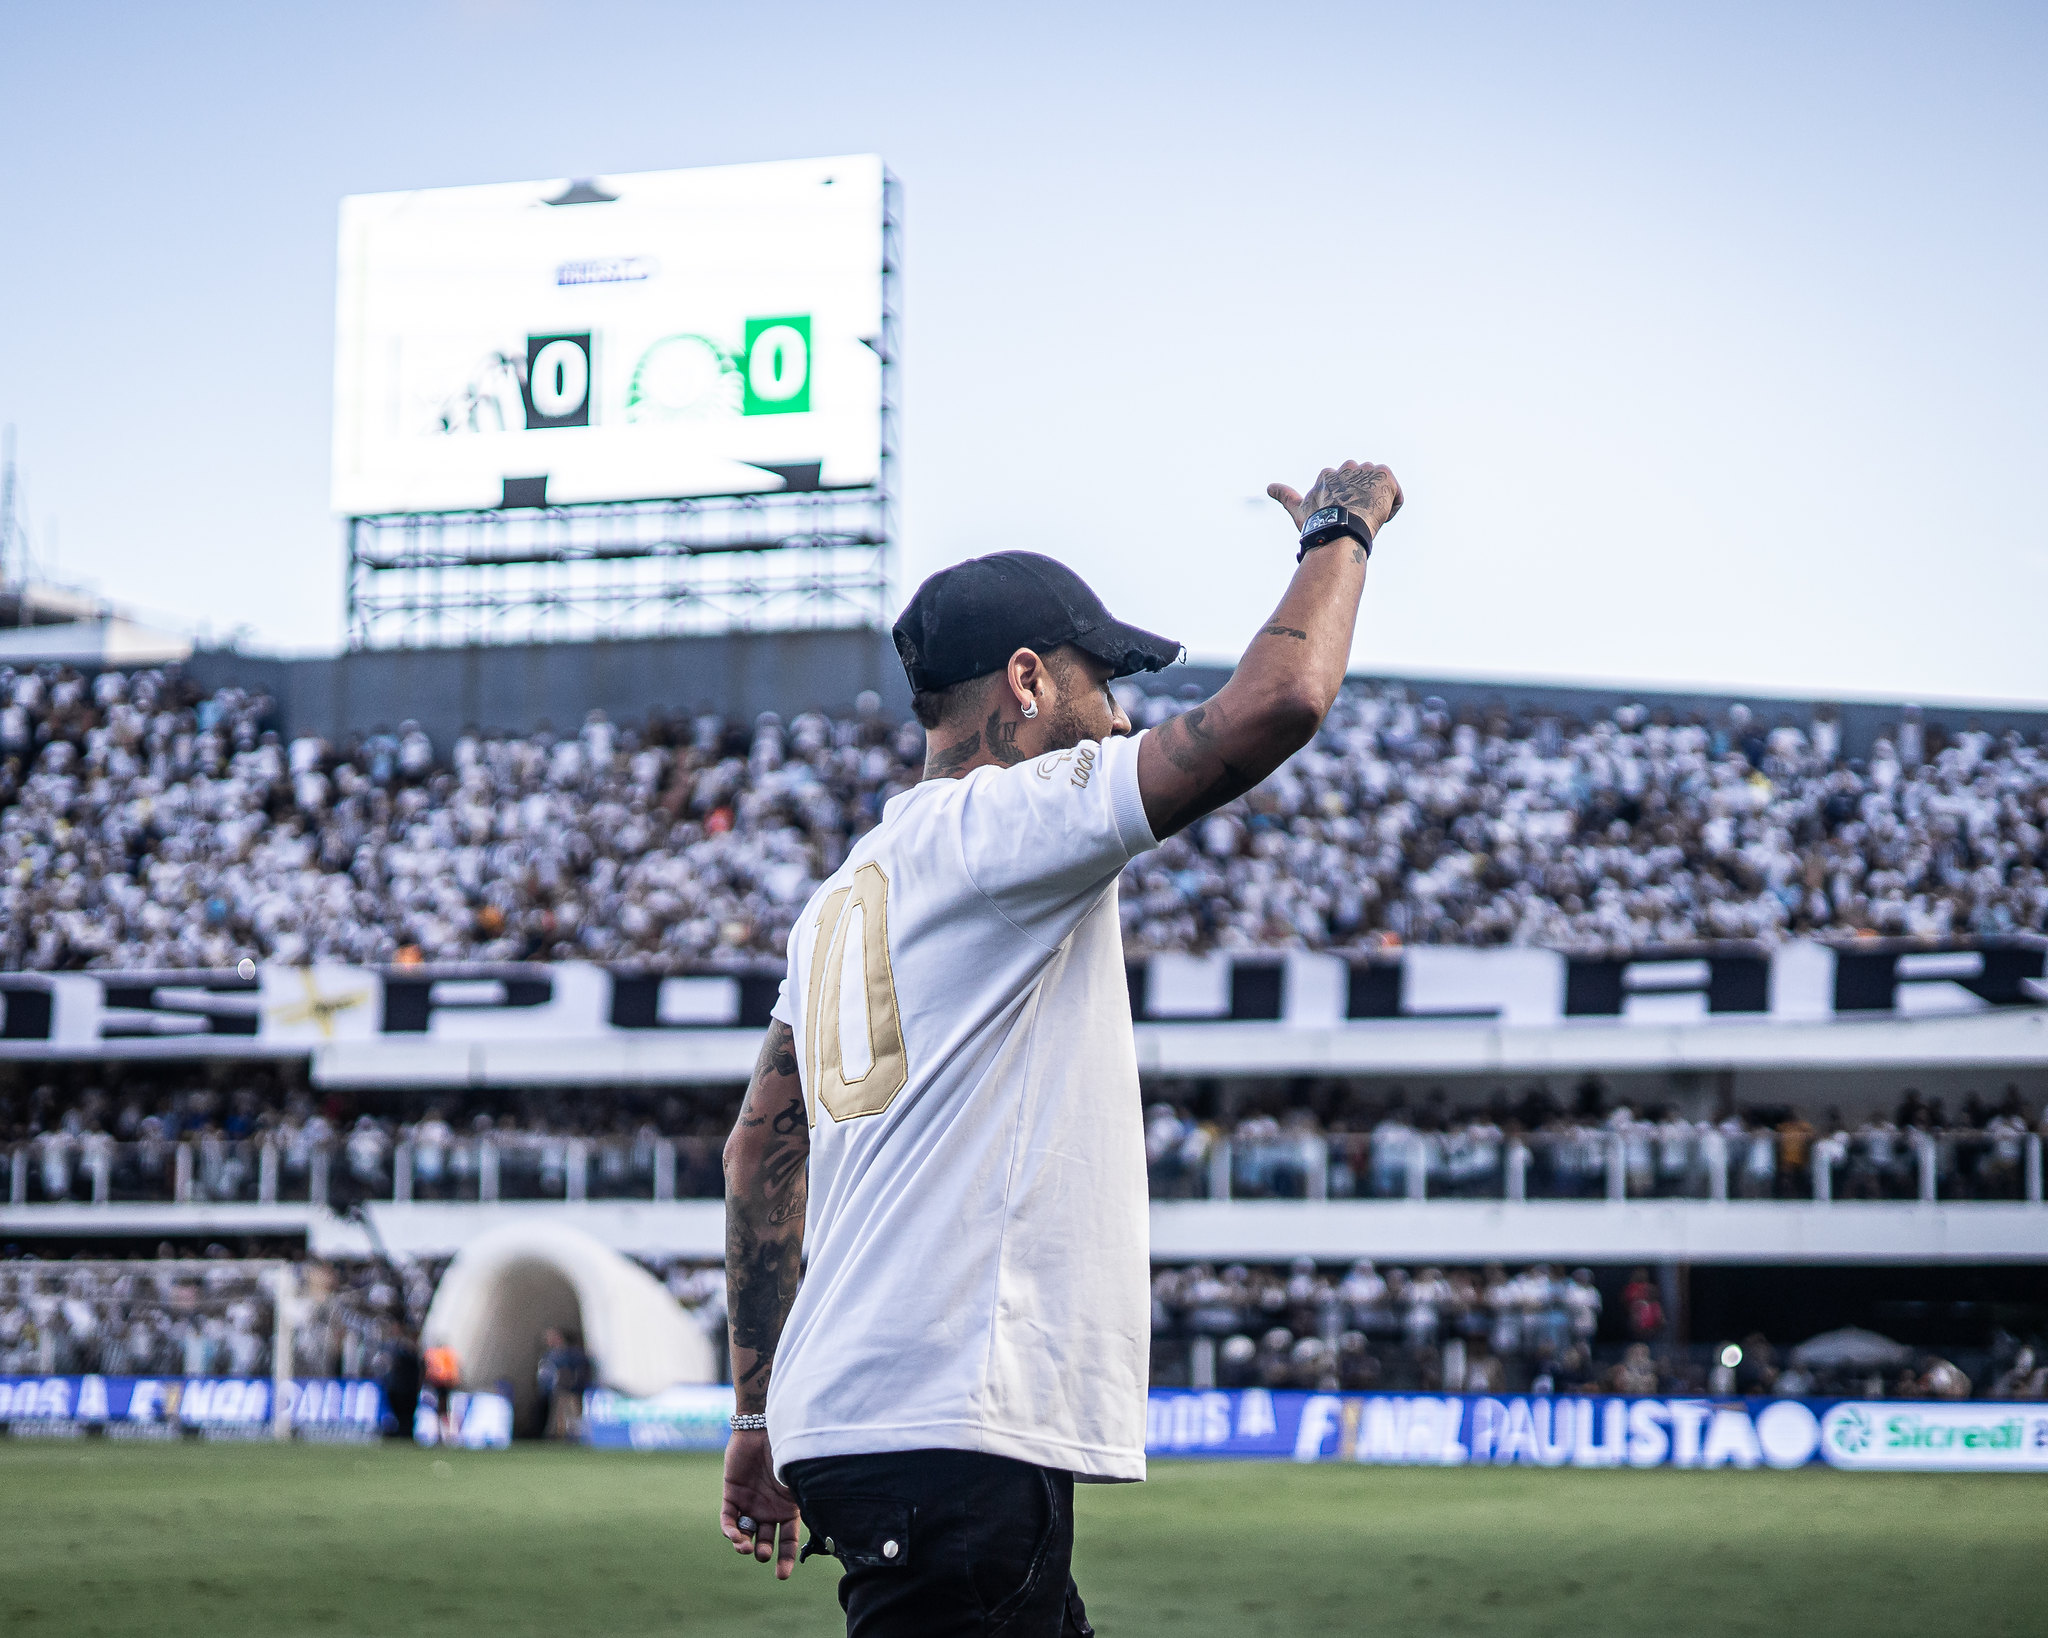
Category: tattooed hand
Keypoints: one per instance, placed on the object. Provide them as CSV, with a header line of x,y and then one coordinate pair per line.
x,y
1277,697
1371,491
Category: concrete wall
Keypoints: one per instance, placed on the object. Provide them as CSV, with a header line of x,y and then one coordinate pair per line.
x,y
519,687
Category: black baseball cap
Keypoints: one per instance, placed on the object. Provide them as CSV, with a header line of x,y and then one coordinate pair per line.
x,y
968,620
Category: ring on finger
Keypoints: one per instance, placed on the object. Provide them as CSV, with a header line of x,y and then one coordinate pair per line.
x,y
747,1525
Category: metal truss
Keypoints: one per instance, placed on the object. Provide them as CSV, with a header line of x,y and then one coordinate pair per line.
x,y
790,560
617,571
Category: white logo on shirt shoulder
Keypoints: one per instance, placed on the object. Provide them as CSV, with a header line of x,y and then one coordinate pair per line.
x,y
1082,770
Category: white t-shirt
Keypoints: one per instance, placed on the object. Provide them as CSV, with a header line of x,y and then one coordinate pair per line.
x,y
977,1235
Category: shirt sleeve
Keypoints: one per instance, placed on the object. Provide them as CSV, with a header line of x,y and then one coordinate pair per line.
x,y
1042,839
787,1009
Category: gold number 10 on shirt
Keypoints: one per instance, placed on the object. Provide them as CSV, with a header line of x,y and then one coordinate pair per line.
x,y
845,1096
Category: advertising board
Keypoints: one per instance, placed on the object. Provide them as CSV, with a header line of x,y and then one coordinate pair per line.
x,y
326,1409
1531,1430
1976,1436
469,1421
314,1005
652,336
1485,1430
682,1418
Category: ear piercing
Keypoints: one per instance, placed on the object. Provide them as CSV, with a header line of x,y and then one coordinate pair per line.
x,y
1031,708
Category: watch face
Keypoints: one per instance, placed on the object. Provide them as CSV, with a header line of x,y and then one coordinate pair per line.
x,y
1323,519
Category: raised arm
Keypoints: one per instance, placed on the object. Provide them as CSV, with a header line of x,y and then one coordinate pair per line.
x,y
767,1162
1288,679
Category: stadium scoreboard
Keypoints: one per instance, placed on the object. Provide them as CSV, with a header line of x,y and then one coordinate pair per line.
x,y
660,336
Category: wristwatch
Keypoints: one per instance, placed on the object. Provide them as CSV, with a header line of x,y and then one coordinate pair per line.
x,y
1321,527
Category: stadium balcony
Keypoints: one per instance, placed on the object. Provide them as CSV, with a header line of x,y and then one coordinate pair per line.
x,y
431,1207
413,1107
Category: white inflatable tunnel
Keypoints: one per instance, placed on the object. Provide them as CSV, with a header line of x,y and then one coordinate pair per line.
x,y
509,1286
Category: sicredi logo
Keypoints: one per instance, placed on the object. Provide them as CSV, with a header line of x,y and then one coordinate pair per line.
x,y
556,390
1850,1431
1911,1432
1970,1434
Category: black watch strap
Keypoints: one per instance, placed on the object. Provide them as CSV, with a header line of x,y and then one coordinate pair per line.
x,y
1319,528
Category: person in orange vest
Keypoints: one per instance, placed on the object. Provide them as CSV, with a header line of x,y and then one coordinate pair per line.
x,y
444,1375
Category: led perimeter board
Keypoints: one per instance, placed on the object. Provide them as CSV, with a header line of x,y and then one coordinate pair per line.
x,y
659,336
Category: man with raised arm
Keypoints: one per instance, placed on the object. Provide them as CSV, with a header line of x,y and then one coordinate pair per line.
x,y
945,1118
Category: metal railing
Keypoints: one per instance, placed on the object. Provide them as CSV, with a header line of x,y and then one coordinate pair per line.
x,y
58,1169
1597,1164
1939,1167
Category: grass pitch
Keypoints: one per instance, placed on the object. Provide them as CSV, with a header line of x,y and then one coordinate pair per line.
x,y
226,1540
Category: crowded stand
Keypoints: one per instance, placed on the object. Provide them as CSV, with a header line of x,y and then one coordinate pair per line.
x,y
140,1131
214,1316
1360,1328
1494,1330
145,825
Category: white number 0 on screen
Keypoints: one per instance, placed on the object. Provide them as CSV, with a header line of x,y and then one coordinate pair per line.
x,y
846,1096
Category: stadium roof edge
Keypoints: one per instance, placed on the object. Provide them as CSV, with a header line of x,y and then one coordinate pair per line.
x,y
517,687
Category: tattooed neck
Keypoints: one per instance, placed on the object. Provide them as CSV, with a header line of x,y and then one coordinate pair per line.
x,y
949,761
995,743
1002,740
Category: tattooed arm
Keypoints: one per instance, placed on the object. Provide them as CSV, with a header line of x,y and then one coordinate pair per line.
x,y
766,1175
1288,679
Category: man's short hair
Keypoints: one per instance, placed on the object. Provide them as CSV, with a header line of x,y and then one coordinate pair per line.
x,y
933,706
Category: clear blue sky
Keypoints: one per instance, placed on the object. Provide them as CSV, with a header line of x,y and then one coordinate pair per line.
x,y
1711,346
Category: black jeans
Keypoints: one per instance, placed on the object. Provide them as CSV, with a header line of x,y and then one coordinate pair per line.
x,y
945,1544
